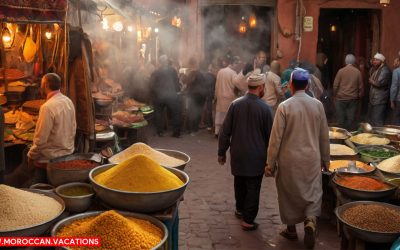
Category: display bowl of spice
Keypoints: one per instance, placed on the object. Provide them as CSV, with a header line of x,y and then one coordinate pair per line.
x,y
363,187
371,221
164,157
390,166
138,184
77,196
28,212
116,229
374,153
177,155
338,135
339,165
72,168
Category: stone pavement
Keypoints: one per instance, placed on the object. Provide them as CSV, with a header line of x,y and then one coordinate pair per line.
x,y
207,218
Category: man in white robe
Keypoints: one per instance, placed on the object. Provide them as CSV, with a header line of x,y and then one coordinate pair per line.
x,y
298,147
227,80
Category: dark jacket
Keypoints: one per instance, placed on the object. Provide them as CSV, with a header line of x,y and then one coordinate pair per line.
x,y
164,83
246,130
379,92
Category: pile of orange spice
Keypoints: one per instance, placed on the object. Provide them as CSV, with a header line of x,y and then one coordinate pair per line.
x,y
361,183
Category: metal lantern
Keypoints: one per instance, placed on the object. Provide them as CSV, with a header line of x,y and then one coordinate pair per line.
x,y
252,21
384,2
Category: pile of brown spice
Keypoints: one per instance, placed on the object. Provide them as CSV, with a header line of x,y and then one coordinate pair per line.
x,y
373,217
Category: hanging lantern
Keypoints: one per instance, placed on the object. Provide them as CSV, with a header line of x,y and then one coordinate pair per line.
x,y
7,37
176,21
242,26
384,2
252,21
118,26
333,28
48,34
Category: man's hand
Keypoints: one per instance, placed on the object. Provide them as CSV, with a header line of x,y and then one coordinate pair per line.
x,y
222,159
268,171
31,163
392,105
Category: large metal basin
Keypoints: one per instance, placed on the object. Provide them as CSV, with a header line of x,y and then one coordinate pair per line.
x,y
39,229
368,158
370,236
176,154
145,202
58,176
365,194
391,133
342,131
69,220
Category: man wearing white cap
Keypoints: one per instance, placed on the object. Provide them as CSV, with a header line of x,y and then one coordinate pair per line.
x,y
246,130
379,78
298,145
348,89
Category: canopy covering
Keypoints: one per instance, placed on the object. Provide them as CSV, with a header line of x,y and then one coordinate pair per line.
x,y
33,10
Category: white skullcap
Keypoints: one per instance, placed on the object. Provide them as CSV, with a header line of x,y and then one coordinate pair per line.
x,y
380,57
350,59
255,80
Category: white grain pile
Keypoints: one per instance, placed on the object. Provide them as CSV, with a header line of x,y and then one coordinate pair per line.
x,y
391,165
141,148
20,209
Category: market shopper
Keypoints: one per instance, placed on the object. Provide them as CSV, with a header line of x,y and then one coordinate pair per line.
x,y
260,62
273,90
228,79
348,89
395,91
298,145
380,78
246,131
55,128
164,88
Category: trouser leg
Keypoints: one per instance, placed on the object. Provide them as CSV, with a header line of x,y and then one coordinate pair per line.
x,y
377,115
252,200
340,114
174,106
351,110
159,116
240,192
396,114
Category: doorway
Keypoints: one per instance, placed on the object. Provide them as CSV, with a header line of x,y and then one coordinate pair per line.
x,y
344,31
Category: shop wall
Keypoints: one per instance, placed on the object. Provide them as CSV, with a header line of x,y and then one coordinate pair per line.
x,y
286,9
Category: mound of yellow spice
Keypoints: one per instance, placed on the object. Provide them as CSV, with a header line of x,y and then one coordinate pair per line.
x,y
139,174
115,231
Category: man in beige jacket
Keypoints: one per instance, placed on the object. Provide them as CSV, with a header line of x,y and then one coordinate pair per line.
x,y
347,91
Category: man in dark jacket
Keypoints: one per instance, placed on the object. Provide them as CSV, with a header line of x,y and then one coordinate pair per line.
x,y
246,130
379,78
164,86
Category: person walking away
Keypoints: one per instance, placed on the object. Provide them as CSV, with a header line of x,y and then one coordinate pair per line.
x,y
55,128
348,89
164,86
196,91
273,91
298,145
209,82
227,80
395,92
380,78
246,131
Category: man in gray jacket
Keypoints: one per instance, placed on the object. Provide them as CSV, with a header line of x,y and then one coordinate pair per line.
x,y
379,78
347,91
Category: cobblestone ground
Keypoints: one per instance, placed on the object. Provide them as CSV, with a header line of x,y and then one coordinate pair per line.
x,y
206,214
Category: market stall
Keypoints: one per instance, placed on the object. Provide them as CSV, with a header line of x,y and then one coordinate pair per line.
x,y
362,186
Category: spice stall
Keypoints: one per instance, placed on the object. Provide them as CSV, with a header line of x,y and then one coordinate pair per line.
x,y
361,182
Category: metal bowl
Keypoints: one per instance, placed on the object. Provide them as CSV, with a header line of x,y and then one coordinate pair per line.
x,y
363,234
76,204
103,102
145,202
176,154
58,176
358,144
391,133
340,130
345,167
356,194
39,229
44,187
69,220
367,158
